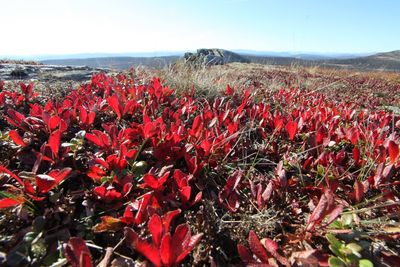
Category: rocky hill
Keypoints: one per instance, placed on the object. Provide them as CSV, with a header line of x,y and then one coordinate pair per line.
x,y
209,57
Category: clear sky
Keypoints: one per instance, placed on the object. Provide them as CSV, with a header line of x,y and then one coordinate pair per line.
x,y
30,27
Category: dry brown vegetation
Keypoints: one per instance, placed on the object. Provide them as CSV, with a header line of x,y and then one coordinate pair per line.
x,y
358,87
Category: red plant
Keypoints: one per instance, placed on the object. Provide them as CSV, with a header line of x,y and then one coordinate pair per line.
x,y
166,249
229,195
260,252
77,253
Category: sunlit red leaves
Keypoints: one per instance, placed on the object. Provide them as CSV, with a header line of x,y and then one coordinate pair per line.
x,y
229,90
27,90
259,252
16,119
121,105
54,142
288,142
46,182
86,117
291,128
155,183
393,151
185,190
166,249
11,202
107,194
77,253
16,138
98,138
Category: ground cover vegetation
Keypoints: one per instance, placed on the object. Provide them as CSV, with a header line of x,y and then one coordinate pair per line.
x,y
125,170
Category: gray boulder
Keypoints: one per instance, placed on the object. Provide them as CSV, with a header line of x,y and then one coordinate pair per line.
x,y
211,57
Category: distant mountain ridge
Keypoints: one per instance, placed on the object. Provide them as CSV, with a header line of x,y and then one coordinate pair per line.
x,y
388,61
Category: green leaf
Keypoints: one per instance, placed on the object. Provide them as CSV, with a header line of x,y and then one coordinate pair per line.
x,y
335,250
355,248
365,263
334,241
347,219
337,224
336,262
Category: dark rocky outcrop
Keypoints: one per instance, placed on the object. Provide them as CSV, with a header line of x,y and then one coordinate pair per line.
x,y
210,57
11,71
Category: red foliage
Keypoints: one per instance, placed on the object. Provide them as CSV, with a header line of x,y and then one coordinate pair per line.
x,y
141,156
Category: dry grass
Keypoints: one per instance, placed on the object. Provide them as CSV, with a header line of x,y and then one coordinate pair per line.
x,y
338,84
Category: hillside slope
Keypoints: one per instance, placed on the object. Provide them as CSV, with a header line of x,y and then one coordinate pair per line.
x,y
118,63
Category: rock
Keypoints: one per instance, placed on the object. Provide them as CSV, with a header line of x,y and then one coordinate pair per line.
x,y
11,71
211,57
19,72
210,60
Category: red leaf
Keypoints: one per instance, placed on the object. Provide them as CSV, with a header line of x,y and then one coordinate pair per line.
x,y
46,182
77,253
185,193
108,195
228,195
113,101
168,217
356,155
141,214
151,181
291,128
278,123
82,114
91,117
17,138
15,177
393,151
86,260
60,175
325,205
272,247
54,142
358,191
96,173
54,122
245,254
156,229
150,129
197,126
191,243
257,248
97,138
166,250
182,243
141,246
229,90
10,202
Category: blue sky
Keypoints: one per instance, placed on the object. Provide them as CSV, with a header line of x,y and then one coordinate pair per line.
x,y
30,27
